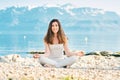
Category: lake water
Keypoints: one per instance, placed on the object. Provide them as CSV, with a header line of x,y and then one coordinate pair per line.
x,y
23,43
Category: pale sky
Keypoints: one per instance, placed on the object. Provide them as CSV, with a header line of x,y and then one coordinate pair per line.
x,y
107,5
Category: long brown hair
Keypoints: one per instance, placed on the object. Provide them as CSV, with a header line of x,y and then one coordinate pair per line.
x,y
60,34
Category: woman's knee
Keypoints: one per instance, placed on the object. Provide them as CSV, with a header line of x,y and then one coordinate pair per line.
x,y
42,59
74,58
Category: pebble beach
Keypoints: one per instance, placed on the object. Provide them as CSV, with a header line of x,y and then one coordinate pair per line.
x,y
88,67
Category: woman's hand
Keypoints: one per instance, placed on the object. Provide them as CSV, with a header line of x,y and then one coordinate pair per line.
x,y
81,53
36,55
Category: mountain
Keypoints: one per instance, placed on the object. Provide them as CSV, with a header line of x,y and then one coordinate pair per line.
x,y
23,19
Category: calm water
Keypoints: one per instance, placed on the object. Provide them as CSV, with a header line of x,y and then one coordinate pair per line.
x,y
24,43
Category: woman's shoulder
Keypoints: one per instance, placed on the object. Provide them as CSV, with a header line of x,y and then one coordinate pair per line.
x,y
66,39
45,43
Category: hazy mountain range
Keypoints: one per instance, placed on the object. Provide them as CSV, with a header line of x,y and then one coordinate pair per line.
x,y
36,19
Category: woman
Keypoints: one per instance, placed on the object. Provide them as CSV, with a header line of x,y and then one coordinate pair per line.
x,y
55,43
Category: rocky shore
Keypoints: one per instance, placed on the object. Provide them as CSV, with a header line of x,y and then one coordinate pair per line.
x,y
88,67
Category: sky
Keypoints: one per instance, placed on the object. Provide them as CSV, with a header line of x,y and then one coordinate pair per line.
x,y
107,5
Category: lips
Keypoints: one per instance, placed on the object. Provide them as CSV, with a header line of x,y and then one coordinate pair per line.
x,y
55,30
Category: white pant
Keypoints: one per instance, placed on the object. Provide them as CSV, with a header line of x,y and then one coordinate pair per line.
x,y
58,62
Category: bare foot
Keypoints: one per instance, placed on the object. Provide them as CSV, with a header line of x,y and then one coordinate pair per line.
x,y
48,65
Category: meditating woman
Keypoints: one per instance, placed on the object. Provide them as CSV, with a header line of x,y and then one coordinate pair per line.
x,y
56,43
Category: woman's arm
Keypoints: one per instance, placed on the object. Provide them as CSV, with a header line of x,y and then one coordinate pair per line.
x,y
46,54
47,50
68,53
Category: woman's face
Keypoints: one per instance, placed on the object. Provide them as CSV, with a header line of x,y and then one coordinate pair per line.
x,y
55,27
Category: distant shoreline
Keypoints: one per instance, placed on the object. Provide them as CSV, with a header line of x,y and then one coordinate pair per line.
x,y
29,53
